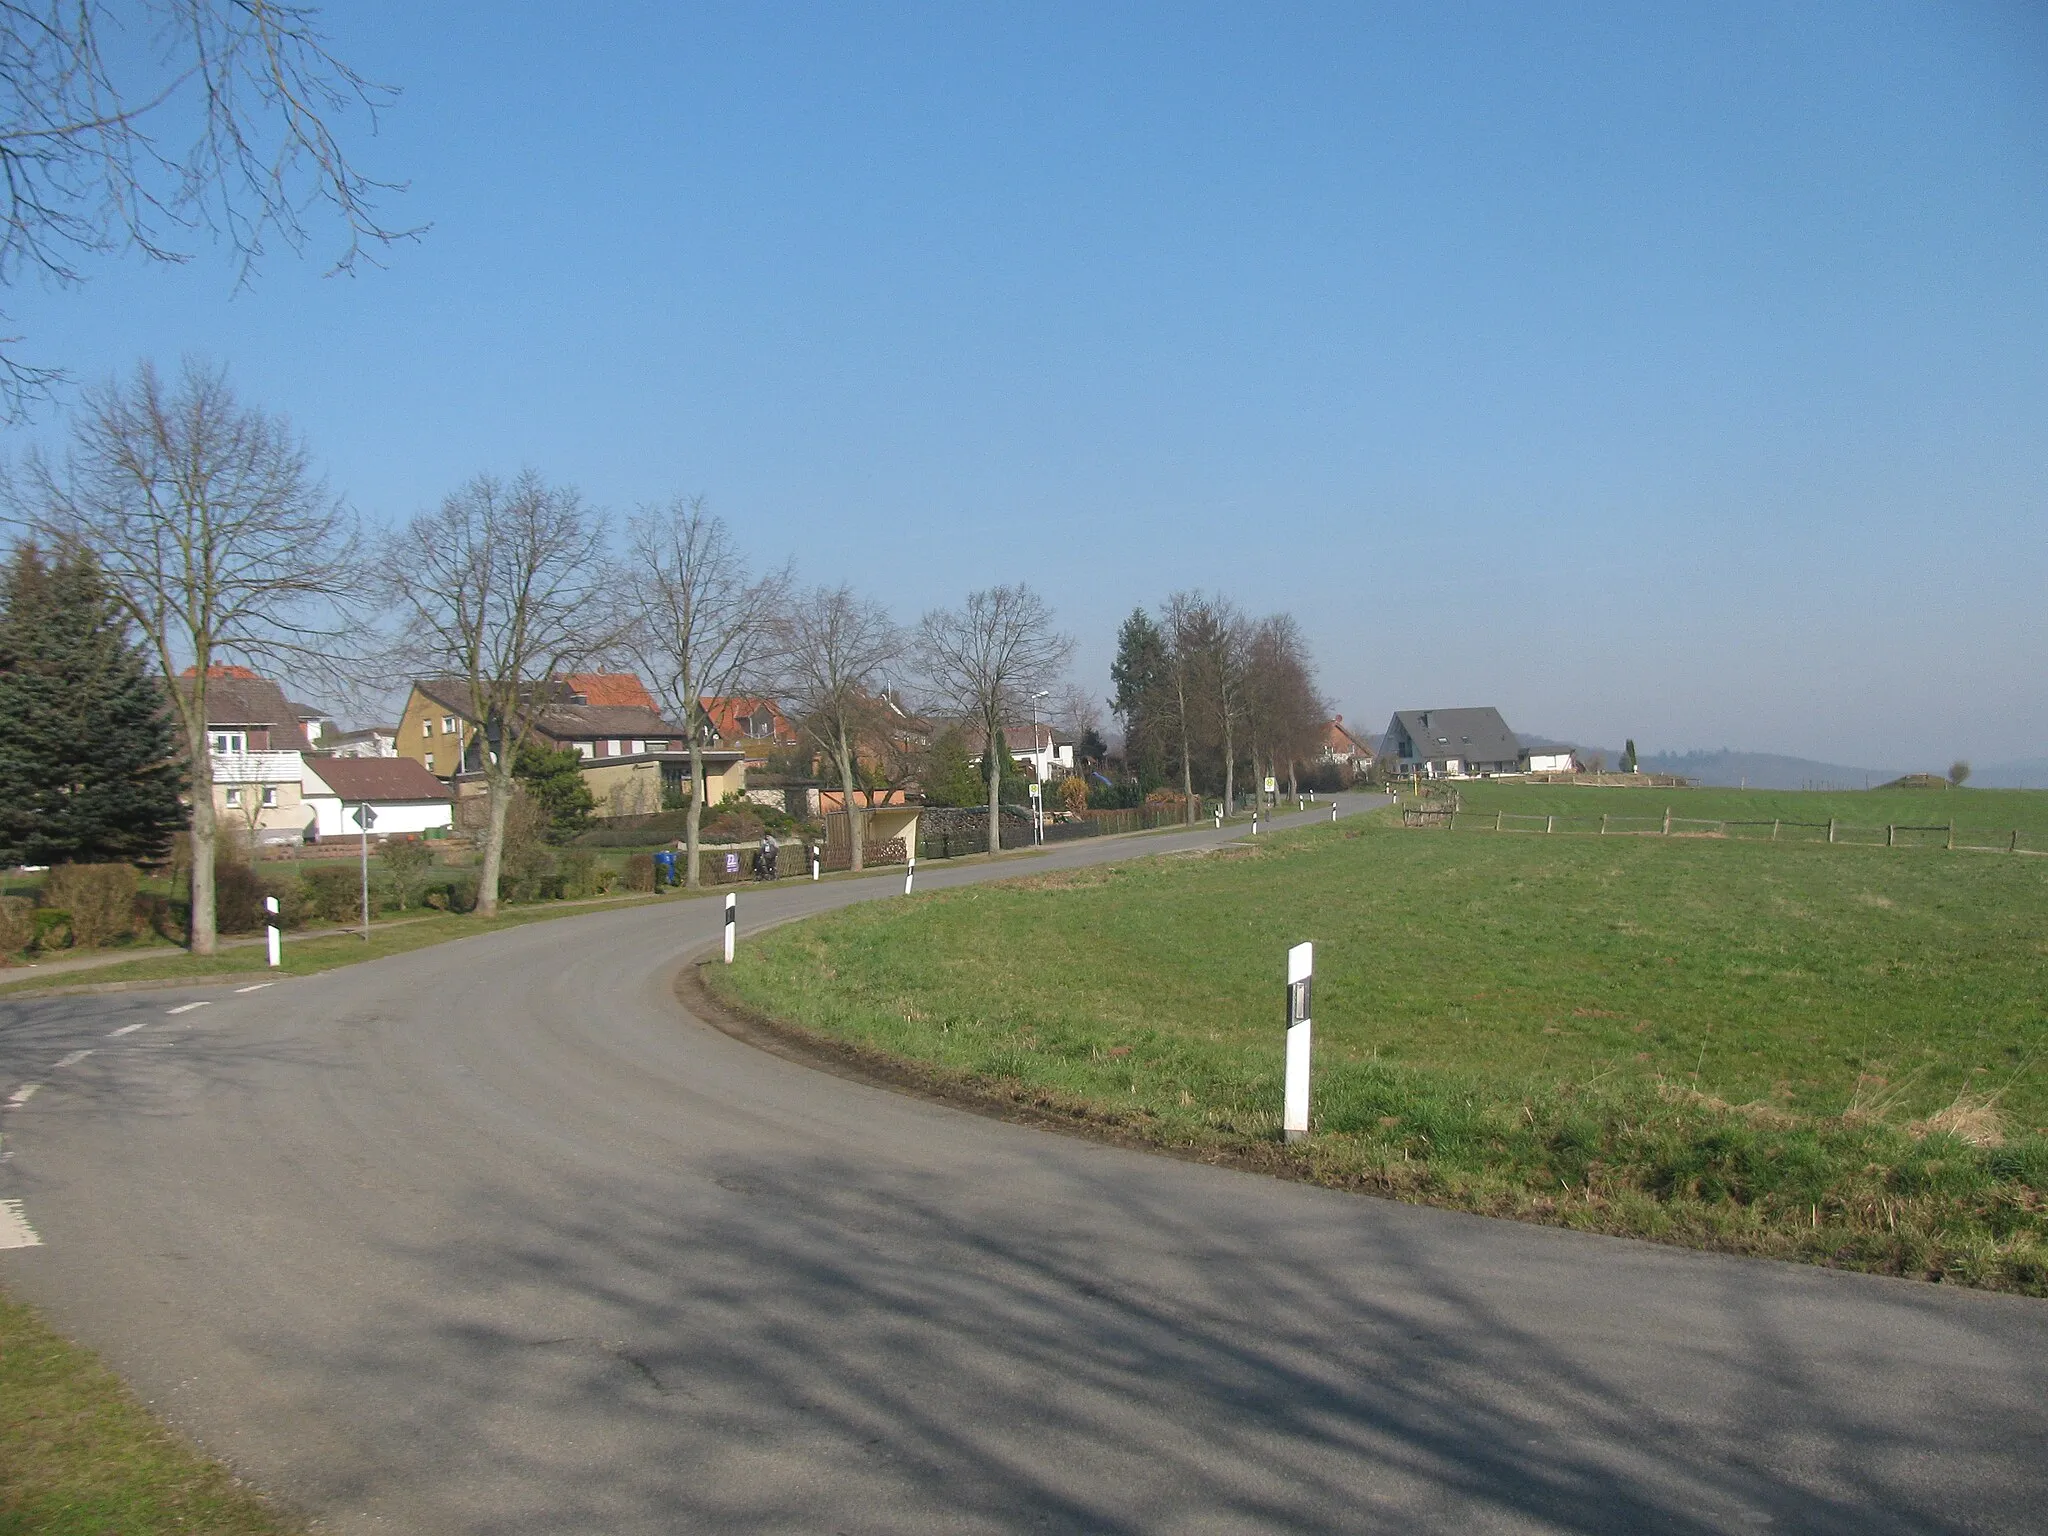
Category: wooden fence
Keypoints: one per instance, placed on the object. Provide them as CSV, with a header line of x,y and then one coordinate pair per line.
x,y
1945,835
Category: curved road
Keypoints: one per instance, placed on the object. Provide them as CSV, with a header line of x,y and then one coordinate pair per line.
x,y
495,1238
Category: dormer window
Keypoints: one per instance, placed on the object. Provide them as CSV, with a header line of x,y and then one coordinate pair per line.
x,y
231,743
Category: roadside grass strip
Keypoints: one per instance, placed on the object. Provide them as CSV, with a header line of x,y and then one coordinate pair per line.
x,y
79,1456
1819,1053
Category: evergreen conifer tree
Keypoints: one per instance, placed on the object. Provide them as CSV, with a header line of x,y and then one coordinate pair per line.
x,y
88,767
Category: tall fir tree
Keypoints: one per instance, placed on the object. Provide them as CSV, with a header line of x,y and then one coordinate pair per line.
x,y
88,767
1139,673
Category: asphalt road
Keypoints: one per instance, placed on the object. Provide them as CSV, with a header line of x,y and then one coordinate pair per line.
x,y
494,1237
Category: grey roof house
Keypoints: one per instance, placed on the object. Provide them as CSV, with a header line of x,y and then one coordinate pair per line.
x,y
1453,743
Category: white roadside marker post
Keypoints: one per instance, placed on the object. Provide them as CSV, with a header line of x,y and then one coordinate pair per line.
x,y
1301,970
814,861
1219,816
732,920
910,874
1333,810
1255,821
270,928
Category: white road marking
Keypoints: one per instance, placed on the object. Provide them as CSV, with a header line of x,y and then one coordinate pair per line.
x,y
72,1060
128,1029
15,1232
189,1007
22,1095
257,988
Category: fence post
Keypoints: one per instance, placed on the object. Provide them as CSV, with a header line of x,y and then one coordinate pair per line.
x,y
1951,834
1603,823
1831,829
1496,820
1667,821
1888,831
1550,823
2014,846
1774,829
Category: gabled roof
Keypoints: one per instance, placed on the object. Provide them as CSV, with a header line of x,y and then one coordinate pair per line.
x,y
603,690
580,722
1471,735
1339,740
725,715
235,696
377,778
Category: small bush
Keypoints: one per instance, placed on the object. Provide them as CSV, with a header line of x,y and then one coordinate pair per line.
x,y
335,893
238,893
578,873
162,915
53,930
17,923
99,897
406,863
640,872
457,893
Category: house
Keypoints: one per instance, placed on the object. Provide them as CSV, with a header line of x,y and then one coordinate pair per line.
x,y
751,722
634,761
1453,743
255,749
401,794
1045,751
1551,760
1342,748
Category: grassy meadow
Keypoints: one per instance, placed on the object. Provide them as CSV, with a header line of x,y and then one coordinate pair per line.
x,y
1834,1053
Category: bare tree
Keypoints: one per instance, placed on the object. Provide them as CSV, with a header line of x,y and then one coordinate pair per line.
x,y
138,125
1183,624
1223,639
499,591
985,660
834,651
216,538
701,623
1284,712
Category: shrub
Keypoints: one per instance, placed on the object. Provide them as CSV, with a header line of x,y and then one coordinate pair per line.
x,y
238,893
17,923
1074,793
335,893
456,893
406,863
640,872
53,930
99,897
579,873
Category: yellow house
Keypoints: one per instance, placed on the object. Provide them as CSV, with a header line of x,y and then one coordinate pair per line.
x,y
632,758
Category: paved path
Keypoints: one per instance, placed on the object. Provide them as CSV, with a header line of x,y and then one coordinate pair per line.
x,y
492,1237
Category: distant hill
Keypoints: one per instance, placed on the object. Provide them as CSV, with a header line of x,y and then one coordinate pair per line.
x,y
1759,770
2024,773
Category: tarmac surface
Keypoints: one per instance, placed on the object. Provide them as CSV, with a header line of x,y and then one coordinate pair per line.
x,y
495,1237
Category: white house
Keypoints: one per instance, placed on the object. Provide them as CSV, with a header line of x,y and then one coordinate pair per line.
x,y
1552,762
1041,749
402,796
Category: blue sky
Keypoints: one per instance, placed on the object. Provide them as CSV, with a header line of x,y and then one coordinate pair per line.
x,y
1674,373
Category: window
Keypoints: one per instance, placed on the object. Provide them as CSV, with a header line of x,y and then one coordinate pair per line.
x,y
586,749
447,725
430,762
427,728
639,746
234,799
236,742
270,794
657,746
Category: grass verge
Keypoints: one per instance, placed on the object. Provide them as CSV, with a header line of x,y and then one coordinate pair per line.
x,y
303,957
79,1456
1827,1054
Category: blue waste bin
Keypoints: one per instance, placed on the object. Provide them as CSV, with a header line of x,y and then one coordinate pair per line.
x,y
665,868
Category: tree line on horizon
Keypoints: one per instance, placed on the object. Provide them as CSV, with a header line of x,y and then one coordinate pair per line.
x,y
179,529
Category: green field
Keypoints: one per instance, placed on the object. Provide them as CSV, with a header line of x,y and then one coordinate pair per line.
x,y
1827,1052
1982,817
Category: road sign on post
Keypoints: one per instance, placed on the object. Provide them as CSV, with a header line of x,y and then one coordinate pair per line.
x,y
1037,813
1301,969
270,929
366,819
732,922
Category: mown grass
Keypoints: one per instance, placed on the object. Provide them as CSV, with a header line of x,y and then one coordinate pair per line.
x,y
1793,1050
80,1457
